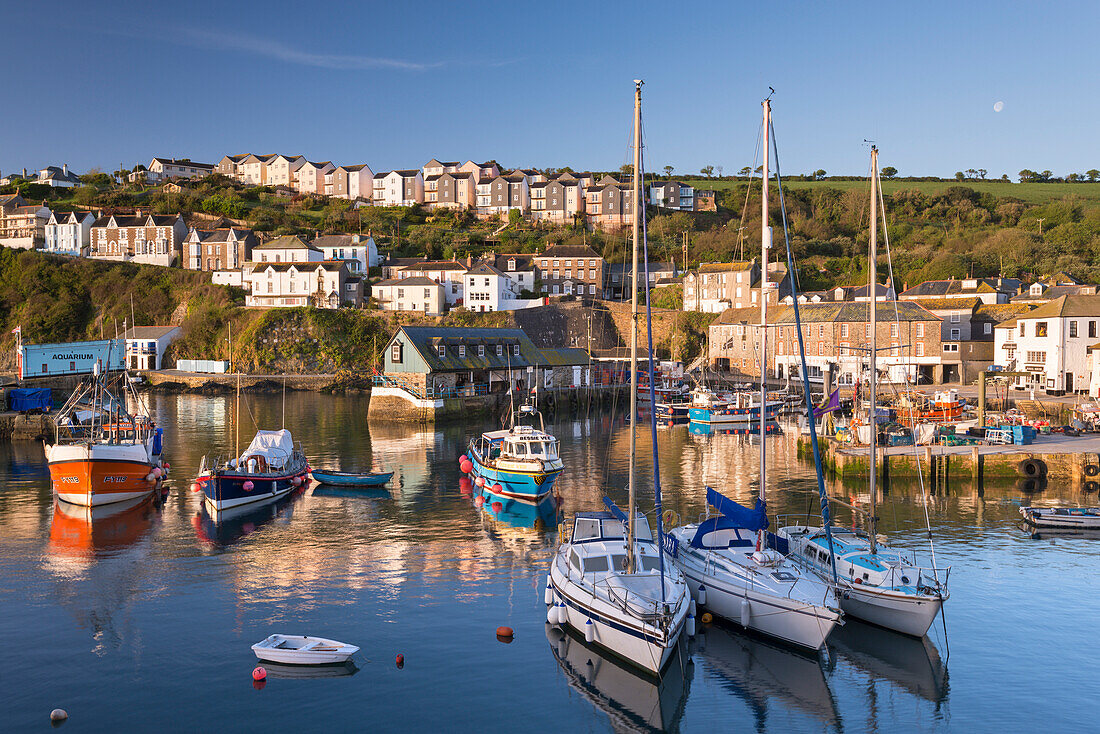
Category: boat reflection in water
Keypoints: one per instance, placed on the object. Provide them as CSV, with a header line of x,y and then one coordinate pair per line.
x,y
911,664
85,533
235,523
766,675
303,672
632,700
515,514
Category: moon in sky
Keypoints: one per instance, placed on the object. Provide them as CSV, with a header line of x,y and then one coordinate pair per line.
x,y
998,106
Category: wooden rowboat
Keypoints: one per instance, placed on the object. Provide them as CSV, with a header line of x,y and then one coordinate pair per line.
x,y
301,650
352,479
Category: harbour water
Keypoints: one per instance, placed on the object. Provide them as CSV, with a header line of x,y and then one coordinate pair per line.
x,y
143,620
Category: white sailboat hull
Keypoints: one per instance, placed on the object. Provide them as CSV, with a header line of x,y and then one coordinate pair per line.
x,y
903,613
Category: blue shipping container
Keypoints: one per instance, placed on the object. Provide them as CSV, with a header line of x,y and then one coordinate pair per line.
x,y
73,358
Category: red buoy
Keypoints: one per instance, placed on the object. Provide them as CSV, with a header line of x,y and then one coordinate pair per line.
x,y
463,459
258,673
497,507
466,467
479,501
400,661
196,487
465,487
505,632
497,488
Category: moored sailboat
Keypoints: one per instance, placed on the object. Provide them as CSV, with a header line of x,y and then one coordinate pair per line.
x,y
609,581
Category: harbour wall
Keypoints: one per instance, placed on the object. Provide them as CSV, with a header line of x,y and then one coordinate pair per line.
x,y
938,465
396,405
19,427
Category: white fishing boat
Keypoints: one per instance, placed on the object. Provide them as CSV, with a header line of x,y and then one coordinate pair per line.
x,y
609,581
729,568
303,650
1084,518
876,583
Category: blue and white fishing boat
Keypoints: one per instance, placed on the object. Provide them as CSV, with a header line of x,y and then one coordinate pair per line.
x,y
737,412
877,584
269,468
519,463
610,581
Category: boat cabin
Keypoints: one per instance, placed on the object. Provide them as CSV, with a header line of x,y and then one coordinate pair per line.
x,y
599,526
522,442
590,556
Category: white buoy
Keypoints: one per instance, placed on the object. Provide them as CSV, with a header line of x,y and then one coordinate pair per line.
x,y
589,632
702,595
691,625
552,615
691,608
746,613
59,715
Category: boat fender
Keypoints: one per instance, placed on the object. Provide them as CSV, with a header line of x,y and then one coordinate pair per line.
x,y
1092,470
690,625
552,615
746,613
249,486
702,595
691,608
1092,486
150,477
589,632
857,581
58,715
497,488
157,473
1031,468
480,481
466,467
563,614
258,673
548,596
196,487
463,459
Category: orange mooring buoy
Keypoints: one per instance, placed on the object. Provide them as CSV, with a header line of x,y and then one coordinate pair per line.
x,y
505,634
401,661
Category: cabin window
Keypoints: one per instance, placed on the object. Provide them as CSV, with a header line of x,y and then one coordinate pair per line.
x,y
595,564
574,561
651,563
520,449
618,561
613,529
586,529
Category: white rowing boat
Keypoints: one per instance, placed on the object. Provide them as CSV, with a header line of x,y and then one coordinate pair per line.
x,y
1062,517
300,650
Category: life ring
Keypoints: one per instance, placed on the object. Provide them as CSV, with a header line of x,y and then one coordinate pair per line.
x,y
668,518
1092,486
1031,468
1092,470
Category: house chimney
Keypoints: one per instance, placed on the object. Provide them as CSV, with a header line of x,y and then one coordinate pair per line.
x,y
24,172
65,168
469,261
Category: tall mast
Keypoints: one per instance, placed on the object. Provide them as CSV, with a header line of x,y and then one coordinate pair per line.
x,y
636,198
872,281
765,245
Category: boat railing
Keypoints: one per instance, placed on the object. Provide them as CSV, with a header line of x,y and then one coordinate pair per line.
x,y
653,610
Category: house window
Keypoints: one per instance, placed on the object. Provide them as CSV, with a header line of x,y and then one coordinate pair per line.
x,y
1040,328
894,330
821,349
481,350
441,350
950,347
395,353
515,350
461,351
1073,328
956,334
920,349
400,292
1021,328
500,350
844,331
987,328
1037,357
955,318
1092,330
920,331
427,293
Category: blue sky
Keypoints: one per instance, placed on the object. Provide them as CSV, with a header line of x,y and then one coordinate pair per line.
x,y
395,84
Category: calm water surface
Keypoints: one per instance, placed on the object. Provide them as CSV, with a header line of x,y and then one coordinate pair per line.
x,y
143,620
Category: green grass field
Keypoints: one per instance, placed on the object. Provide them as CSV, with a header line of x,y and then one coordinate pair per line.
x,y
1032,193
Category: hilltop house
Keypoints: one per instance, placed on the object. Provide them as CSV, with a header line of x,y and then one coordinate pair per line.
x,y
324,284
69,233
58,178
989,290
22,225
224,248
571,269
153,239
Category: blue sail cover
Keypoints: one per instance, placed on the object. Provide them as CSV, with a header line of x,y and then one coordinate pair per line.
x,y
739,515
614,510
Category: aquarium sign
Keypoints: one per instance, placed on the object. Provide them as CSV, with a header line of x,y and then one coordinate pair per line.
x,y
71,358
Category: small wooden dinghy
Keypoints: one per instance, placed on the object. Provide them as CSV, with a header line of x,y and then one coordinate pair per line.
x,y
1062,517
351,479
300,650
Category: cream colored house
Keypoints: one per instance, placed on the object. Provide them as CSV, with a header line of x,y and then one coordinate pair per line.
x,y
418,293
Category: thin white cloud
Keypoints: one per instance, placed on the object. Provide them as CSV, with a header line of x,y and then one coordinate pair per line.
x,y
257,46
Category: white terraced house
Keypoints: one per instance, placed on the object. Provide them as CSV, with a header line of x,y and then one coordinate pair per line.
x,y
69,233
1051,344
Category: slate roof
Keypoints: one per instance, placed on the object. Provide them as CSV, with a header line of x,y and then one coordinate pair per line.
x,y
408,173
483,269
57,173
329,265
582,251
221,234
952,286
433,265
133,220
523,262
839,312
564,357
1050,293
286,242
415,280
1066,306
148,332
426,340
356,167
338,240
183,162
1000,312
952,304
